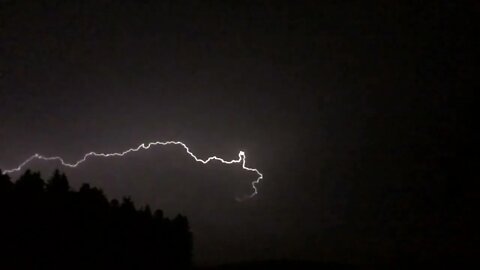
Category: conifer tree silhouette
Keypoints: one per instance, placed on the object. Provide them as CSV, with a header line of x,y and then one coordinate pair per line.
x,y
49,225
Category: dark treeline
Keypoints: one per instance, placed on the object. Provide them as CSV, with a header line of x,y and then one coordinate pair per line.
x,y
44,224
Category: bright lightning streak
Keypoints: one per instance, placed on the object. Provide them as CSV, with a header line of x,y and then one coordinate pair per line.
x,y
241,159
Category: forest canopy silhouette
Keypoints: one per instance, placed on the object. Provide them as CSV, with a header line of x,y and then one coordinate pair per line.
x,y
46,224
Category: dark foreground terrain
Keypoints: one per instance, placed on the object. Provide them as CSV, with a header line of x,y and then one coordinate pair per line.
x,y
46,225
293,265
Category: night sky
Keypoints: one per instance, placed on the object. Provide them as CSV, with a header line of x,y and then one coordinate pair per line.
x,y
357,115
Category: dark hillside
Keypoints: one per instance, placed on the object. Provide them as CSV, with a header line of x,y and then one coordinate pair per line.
x,y
47,225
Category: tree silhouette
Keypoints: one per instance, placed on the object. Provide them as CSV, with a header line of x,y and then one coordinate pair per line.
x,y
30,183
48,225
58,183
5,184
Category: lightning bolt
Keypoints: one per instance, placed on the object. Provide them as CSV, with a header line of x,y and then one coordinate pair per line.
x,y
241,159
